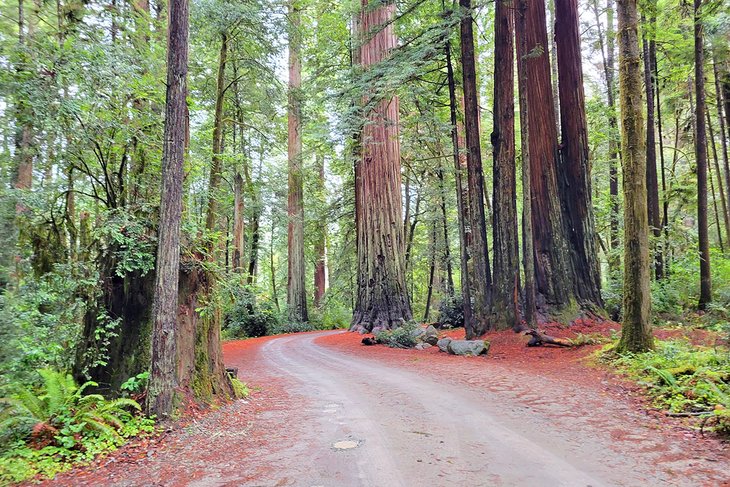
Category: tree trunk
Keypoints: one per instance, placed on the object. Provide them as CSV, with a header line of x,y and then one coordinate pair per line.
x,y
296,292
527,233
238,224
665,198
216,166
445,228
481,285
723,204
714,205
505,311
552,266
382,297
723,138
701,158
636,335
462,201
575,167
320,245
652,183
163,375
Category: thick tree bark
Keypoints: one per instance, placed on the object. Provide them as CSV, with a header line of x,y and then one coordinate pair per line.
x,y
461,196
636,333
575,167
320,245
527,233
701,159
382,298
652,181
505,309
163,374
238,224
216,167
482,284
552,265
296,292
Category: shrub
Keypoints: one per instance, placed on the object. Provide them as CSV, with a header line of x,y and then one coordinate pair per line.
x,y
451,312
402,337
45,431
249,317
283,328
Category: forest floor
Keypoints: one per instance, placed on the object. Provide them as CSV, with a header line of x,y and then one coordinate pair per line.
x,y
327,411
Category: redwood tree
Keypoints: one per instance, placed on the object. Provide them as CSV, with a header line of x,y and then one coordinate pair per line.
x,y
552,261
636,333
575,166
296,287
163,374
505,306
382,299
481,278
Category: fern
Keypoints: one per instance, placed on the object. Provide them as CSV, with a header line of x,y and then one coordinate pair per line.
x,y
666,376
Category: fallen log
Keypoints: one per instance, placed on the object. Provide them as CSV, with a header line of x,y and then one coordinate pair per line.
x,y
539,339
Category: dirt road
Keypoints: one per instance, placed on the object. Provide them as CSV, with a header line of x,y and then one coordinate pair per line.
x,y
340,419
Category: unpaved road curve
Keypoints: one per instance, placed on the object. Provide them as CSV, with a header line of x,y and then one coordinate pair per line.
x,y
420,422
415,429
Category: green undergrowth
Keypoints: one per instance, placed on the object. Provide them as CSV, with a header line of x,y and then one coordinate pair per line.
x,y
402,337
682,378
48,428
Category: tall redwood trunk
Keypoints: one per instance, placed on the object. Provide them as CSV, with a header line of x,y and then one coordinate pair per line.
x,y
552,265
481,284
320,269
527,233
701,159
575,166
296,293
382,298
636,333
505,305
163,374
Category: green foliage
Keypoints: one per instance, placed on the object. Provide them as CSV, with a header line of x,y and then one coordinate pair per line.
x,y
249,317
240,389
402,337
285,327
589,339
451,312
46,430
131,241
683,378
136,384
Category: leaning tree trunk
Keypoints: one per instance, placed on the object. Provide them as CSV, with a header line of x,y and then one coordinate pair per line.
x,y
320,245
481,277
552,264
238,224
382,297
163,380
636,333
296,293
216,167
701,158
505,305
575,166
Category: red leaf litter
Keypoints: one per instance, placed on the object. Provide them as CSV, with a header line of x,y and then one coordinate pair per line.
x,y
240,443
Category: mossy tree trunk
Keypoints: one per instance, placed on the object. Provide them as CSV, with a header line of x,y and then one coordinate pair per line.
x,y
636,335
